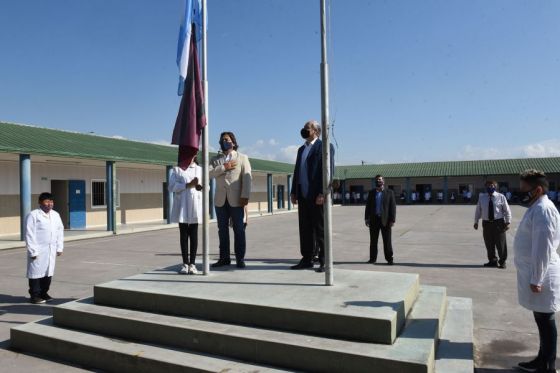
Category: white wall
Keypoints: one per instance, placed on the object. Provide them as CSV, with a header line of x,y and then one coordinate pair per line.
x,y
132,180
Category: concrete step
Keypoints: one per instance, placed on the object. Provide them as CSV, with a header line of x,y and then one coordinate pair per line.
x,y
413,351
455,349
364,306
113,355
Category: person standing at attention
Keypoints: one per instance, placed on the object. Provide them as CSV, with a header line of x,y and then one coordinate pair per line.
x,y
380,215
184,183
307,193
44,239
494,210
232,172
538,267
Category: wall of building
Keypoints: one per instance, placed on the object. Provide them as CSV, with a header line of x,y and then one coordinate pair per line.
x,y
141,190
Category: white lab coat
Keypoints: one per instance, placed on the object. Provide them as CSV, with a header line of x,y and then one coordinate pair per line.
x,y
536,259
187,202
44,237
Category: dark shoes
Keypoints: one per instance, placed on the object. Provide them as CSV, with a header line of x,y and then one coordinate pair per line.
x,y
225,262
371,261
495,264
529,366
390,262
321,269
37,300
535,365
303,264
221,263
46,297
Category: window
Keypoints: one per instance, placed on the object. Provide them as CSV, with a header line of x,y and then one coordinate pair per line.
x,y
98,194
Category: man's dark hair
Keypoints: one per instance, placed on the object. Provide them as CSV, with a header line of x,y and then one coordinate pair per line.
x,y
491,182
232,137
535,178
378,176
43,196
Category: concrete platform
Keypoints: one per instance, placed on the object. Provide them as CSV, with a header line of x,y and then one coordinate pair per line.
x,y
412,352
114,355
505,334
362,306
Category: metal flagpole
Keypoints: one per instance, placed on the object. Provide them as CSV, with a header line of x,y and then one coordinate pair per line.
x,y
205,160
329,275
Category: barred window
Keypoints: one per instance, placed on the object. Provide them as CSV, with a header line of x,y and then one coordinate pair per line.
x,y
98,193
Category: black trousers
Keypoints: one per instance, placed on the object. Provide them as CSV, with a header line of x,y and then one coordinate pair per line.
x,y
311,230
547,336
188,232
38,287
494,235
374,228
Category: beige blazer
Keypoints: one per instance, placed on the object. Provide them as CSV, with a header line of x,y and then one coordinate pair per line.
x,y
233,184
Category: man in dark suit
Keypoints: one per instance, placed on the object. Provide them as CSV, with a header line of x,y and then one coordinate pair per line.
x,y
307,193
381,213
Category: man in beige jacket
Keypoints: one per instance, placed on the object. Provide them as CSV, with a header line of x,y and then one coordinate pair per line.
x,y
232,172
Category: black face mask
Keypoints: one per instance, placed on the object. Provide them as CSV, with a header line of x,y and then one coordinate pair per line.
x,y
379,183
305,133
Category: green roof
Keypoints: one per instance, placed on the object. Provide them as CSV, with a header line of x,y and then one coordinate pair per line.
x,y
18,138
24,139
456,168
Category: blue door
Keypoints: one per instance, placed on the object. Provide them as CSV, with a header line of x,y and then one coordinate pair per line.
x,y
77,204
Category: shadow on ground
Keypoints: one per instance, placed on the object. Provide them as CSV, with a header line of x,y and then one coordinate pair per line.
x,y
420,265
19,305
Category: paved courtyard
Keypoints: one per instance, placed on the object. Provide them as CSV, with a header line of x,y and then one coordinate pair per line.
x,y
438,242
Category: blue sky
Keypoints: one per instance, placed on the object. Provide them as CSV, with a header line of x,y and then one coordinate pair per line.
x,y
410,80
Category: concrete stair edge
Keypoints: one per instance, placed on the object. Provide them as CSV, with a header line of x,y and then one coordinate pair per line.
x,y
455,349
112,355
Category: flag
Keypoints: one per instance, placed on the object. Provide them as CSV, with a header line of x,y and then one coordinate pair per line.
x,y
191,118
192,15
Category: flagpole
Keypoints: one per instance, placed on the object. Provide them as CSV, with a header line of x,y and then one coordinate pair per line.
x,y
205,160
329,270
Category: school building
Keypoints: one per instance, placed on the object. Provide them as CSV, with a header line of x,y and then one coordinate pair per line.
x,y
442,182
75,167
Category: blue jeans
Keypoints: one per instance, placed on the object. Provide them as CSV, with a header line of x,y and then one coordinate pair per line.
x,y
223,214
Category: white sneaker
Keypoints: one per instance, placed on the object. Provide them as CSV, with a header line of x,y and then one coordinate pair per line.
x,y
184,269
192,270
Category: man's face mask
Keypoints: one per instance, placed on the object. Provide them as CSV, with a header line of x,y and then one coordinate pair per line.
x,y
528,198
491,189
305,133
379,183
46,205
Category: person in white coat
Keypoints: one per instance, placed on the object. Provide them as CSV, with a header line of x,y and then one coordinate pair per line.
x,y
44,239
538,267
184,182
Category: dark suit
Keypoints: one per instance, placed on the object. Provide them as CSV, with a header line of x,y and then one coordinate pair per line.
x,y
381,222
311,227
